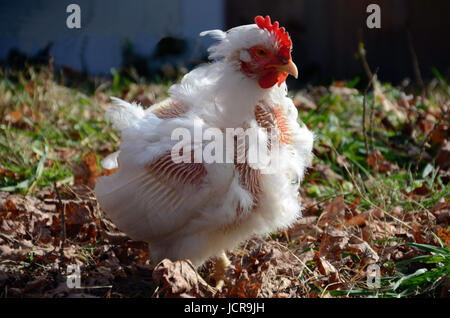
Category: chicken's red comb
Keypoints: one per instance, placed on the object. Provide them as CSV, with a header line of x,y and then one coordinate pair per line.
x,y
280,33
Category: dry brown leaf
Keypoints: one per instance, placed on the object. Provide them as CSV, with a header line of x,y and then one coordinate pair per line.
x,y
336,207
354,205
325,172
6,173
14,117
365,218
115,238
301,227
333,211
36,285
443,217
443,156
426,126
377,162
422,190
87,171
65,153
444,235
338,84
176,278
367,234
304,102
325,268
76,213
244,287
388,105
359,220
441,134
107,172
363,249
342,161
397,211
30,88
333,242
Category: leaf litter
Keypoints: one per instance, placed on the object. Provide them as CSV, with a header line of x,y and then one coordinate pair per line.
x,y
317,254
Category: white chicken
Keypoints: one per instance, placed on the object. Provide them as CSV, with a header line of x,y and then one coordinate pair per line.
x,y
197,210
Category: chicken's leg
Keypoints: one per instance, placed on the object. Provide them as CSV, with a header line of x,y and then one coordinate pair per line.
x,y
221,265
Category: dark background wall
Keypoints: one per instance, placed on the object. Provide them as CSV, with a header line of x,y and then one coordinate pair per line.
x,y
325,35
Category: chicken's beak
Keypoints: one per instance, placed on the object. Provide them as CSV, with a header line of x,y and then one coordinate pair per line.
x,y
289,68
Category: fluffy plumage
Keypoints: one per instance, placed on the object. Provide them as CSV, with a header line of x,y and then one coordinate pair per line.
x,y
197,210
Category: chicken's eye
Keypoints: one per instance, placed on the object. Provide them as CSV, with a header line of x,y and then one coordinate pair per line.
x,y
260,52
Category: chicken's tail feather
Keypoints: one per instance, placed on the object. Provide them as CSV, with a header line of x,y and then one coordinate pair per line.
x,y
121,114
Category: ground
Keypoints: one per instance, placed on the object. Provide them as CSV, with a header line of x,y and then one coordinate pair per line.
x,y
377,193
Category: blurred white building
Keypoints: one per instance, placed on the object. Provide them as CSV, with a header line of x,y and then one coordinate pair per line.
x,y
106,25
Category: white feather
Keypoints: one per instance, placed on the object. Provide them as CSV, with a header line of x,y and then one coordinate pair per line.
x,y
197,221
122,114
110,162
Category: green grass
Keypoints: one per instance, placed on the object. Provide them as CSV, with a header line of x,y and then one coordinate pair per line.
x,y
58,125
417,276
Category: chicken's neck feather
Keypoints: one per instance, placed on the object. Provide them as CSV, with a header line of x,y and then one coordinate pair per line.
x,y
222,95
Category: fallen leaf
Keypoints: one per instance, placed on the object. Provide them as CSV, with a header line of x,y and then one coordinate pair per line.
x,y
422,190
417,233
440,134
245,288
36,285
76,213
303,102
363,249
443,217
326,269
333,211
325,172
176,278
87,171
107,172
377,162
338,84
6,173
65,153
367,234
388,105
444,235
332,243
354,205
443,156
14,117
359,220
30,88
